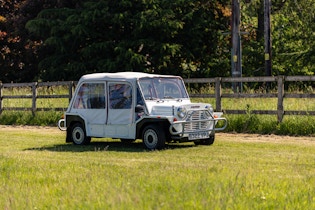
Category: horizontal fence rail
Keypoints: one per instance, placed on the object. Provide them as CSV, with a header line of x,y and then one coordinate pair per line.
x,y
278,83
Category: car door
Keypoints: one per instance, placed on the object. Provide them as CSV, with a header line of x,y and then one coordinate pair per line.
x,y
90,104
120,110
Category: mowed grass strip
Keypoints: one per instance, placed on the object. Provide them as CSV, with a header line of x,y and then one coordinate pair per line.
x,y
240,171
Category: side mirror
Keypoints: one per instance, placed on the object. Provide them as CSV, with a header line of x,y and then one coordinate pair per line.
x,y
139,109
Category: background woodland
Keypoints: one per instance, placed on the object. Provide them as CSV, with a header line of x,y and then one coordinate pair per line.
x,y
49,40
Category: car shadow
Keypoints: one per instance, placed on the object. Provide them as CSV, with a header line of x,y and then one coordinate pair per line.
x,y
107,146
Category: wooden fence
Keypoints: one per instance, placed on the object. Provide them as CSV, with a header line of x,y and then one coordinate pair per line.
x,y
278,82
34,96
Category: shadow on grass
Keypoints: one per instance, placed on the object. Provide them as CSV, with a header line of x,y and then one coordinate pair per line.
x,y
107,146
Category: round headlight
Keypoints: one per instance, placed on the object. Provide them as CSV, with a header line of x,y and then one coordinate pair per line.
x,y
181,112
210,108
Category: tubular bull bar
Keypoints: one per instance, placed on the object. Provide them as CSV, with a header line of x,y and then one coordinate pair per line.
x,y
181,133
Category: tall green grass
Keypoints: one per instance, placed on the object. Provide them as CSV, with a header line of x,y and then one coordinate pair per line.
x,y
41,118
265,124
39,171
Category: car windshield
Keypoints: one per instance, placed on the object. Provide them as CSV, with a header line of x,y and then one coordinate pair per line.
x,y
160,88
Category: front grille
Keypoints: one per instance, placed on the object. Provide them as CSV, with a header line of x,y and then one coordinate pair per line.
x,y
195,116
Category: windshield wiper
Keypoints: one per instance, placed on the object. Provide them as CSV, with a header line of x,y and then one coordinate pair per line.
x,y
168,97
171,97
151,98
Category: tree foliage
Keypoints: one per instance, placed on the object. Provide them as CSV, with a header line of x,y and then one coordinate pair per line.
x,y
64,39
161,36
20,52
10,57
292,37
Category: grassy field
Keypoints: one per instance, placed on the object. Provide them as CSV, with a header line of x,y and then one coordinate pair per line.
x,y
240,171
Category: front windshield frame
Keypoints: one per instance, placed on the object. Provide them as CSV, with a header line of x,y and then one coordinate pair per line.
x,y
163,88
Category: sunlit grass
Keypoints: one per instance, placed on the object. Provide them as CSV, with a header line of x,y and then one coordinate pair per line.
x,y
249,103
300,104
40,102
39,171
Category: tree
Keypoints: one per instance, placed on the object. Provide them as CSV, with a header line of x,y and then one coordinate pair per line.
x,y
294,40
20,52
168,37
292,37
64,39
9,41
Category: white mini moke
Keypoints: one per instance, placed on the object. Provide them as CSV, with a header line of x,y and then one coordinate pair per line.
x,y
133,105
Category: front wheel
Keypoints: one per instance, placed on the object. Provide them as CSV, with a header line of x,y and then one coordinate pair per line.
x,y
153,137
78,135
208,141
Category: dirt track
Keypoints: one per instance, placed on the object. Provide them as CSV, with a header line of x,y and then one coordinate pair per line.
x,y
266,138
219,136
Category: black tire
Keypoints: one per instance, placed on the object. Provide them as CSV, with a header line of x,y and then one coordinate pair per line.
x,y
208,141
78,135
153,137
127,141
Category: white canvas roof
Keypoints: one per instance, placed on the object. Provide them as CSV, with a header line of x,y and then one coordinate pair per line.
x,y
120,76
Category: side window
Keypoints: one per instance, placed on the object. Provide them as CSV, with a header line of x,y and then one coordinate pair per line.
x,y
90,96
120,96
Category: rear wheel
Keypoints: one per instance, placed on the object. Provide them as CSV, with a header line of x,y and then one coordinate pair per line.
x,y
78,135
153,137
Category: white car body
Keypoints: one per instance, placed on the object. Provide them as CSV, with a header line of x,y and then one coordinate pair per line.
x,y
134,105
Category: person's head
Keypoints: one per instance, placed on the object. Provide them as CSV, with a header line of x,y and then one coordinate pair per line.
x,y
118,86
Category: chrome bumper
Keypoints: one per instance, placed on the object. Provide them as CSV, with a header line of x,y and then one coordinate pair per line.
x,y
61,125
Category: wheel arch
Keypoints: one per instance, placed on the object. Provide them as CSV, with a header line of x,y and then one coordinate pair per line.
x,y
149,121
70,121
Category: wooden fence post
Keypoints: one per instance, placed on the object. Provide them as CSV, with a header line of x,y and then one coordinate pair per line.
x,y
34,97
71,84
218,94
280,109
1,93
